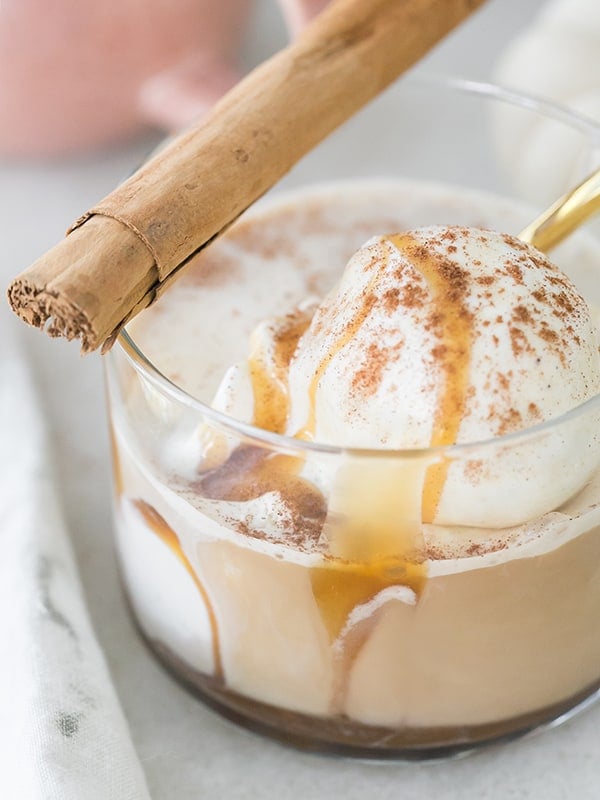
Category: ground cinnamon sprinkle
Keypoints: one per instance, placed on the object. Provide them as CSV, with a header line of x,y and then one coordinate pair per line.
x,y
413,296
561,299
367,379
503,381
517,244
251,472
515,271
448,235
522,314
391,299
519,341
212,269
439,352
547,333
534,410
267,244
474,470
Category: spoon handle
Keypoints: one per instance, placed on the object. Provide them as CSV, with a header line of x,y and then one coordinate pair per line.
x,y
565,215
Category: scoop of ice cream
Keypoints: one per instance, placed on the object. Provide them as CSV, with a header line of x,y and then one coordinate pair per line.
x,y
450,335
467,331
436,337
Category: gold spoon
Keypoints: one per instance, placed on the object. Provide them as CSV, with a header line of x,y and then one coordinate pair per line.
x,y
565,215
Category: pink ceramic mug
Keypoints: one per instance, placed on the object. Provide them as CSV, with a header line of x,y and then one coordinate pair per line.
x,y
81,75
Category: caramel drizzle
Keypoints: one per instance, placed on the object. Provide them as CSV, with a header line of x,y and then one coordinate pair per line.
x,y
270,381
338,589
270,385
166,534
453,353
380,539
307,432
375,513
373,544
375,537
373,524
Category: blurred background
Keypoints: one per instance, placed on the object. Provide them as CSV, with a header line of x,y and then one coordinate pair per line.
x,y
86,92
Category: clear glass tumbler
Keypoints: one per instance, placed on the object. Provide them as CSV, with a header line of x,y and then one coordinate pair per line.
x,y
373,602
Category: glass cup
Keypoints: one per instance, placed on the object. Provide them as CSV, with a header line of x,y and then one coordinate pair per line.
x,y
381,603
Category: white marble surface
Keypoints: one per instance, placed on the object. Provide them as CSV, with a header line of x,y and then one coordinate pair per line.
x,y
186,750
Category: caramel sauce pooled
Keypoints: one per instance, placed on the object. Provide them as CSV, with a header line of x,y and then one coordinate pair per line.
x,y
338,591
339,588
446,281
167,535
374,532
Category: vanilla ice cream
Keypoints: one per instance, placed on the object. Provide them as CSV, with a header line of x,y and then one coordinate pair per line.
x,y
439,336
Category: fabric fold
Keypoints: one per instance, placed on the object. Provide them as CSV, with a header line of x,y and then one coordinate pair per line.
x,y
68,736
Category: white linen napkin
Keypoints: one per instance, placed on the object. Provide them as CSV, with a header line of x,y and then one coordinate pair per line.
x,y
63,735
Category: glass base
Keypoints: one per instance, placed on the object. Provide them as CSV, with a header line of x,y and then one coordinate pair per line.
x,y
344,737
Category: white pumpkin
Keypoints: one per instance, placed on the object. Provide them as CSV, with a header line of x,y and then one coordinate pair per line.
x,y
556,58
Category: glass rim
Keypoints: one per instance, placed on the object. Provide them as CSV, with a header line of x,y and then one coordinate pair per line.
x,y
147,369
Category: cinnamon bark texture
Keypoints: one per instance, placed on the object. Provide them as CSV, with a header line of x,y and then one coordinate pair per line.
x,y
122,253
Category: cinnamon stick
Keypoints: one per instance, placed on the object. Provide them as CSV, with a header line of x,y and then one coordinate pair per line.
x,y
121,254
